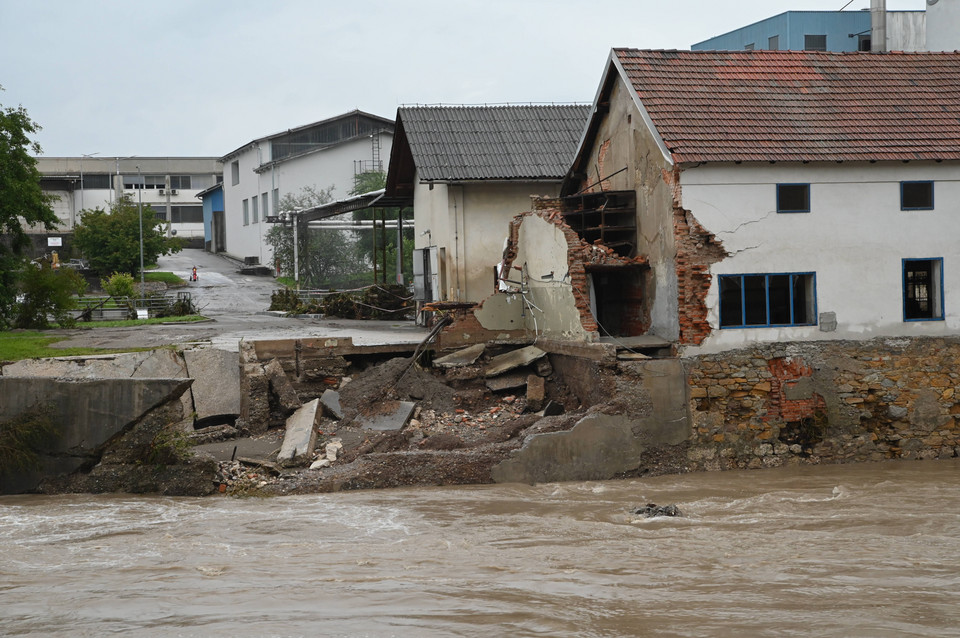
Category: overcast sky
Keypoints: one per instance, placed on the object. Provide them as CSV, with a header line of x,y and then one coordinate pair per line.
x,y
203,77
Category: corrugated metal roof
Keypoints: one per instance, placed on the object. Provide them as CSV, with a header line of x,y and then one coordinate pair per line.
x,y
492,142
799,105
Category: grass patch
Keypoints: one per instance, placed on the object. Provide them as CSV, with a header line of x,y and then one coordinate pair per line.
x,y
15,346
289,282
124,323
164,277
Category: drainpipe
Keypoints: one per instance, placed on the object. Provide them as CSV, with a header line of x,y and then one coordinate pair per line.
x,y
878,26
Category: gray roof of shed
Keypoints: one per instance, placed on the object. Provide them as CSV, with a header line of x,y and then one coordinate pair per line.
x,y
493,142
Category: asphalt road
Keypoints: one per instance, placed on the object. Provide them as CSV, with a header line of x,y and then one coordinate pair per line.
x,y
237,306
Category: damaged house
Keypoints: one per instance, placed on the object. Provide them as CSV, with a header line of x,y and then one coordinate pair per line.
x,y
720,199
466,171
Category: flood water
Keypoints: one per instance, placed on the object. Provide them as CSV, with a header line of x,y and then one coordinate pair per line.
x,y
857,550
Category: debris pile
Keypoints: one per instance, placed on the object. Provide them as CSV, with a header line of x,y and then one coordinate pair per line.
x,y
476,401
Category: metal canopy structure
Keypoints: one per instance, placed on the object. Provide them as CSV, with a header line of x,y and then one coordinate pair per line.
x,y
377,199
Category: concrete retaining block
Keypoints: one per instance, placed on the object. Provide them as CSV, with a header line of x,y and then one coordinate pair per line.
x,y
301,436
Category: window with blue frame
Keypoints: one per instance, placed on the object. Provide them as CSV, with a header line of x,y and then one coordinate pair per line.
x,y
923,289
916,195
763,300
793,198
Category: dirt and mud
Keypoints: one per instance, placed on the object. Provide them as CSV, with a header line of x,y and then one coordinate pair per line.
x,y
459,429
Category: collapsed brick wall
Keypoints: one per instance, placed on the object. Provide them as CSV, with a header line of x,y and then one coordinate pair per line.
x,y
830,402
696,249
580,256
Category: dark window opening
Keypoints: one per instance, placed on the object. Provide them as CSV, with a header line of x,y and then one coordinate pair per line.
x,y
864,43
786,299
922,289
186,214
916,195
618,296
793,198
96,180
815,43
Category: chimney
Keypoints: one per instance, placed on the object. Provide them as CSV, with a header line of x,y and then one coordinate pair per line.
x,y
878,26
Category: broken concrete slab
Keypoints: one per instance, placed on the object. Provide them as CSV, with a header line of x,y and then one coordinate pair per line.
x,y
330,400
86,414
507,381
387,416
281,387
261,448
301,436
460,358
599,447
512,360
216,388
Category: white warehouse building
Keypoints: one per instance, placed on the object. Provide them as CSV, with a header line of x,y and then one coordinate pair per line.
x,y
322,155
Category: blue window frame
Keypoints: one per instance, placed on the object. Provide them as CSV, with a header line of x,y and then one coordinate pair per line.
x,y
916,195
923,289
793,198
765,300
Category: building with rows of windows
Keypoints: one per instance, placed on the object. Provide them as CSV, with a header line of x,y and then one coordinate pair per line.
x,y
166,186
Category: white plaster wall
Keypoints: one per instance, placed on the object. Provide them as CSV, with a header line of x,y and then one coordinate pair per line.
x,y
544,306
542,256
943,26
432,223
906,30
854,239
246,241
472,221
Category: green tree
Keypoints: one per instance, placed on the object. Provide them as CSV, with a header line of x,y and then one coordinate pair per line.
x,y
110,240
44,292
22,202
327,256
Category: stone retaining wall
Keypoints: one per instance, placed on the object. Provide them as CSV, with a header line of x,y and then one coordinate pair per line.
x,y
831,402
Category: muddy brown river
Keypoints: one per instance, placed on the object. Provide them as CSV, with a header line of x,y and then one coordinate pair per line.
x,y
857,550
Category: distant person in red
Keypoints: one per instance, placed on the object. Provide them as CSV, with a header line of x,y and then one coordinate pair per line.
x,y
193,277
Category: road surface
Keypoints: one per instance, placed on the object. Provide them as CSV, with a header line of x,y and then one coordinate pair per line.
x,y
237,306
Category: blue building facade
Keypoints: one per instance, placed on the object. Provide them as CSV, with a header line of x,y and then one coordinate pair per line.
x,y
213,231
798,31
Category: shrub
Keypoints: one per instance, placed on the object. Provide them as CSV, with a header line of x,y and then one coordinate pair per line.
x,y
119,284
47,292
286,300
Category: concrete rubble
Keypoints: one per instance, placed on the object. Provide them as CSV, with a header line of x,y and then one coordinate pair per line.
x,y
513,359
465,357
301,435
330,399
216,375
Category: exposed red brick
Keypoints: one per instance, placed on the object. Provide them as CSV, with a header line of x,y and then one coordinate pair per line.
x,y
697,249
787,372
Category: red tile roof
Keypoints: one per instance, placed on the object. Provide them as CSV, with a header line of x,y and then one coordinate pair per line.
x,y
800,105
